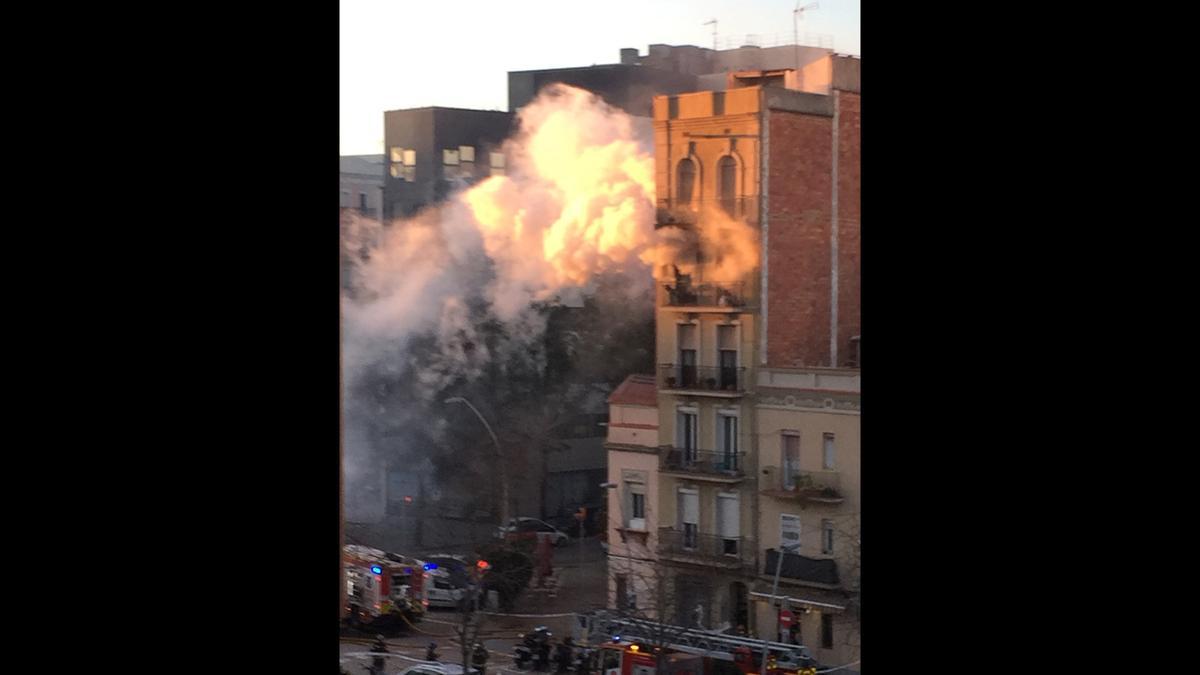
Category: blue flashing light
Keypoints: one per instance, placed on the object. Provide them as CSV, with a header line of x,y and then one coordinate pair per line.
x,y
408,570
616,638
430,566
376,569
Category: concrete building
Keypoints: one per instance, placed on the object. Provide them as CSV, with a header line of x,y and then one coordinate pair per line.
x,y
632,84
758,379
433,151
361,182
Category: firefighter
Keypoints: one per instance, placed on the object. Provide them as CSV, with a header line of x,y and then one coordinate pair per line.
x,y
479,658
378,662
543,650
431,652
563,657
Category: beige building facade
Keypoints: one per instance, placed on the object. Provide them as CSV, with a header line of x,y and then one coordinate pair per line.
x,y
757,388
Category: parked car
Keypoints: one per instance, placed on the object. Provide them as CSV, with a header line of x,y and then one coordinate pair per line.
x,y
520,529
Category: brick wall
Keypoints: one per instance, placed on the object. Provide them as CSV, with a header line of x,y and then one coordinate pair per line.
x,y
798,252
849,260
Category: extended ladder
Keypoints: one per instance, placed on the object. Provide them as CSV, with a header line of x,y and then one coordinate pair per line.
x,y
690,640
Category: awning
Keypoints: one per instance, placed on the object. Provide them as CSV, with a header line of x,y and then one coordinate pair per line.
x,y
816,600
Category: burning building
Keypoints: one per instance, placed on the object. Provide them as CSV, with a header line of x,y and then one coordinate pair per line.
x,y
632,84
757,390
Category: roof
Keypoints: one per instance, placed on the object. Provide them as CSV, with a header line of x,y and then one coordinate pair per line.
x,y
636,390
368,165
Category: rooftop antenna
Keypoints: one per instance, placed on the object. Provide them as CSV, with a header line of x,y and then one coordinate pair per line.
x,y
797,15
714,25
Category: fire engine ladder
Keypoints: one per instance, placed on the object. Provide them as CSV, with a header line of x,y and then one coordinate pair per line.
x,y
692,640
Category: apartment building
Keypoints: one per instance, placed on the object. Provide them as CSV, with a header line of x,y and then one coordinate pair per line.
x,y
757,389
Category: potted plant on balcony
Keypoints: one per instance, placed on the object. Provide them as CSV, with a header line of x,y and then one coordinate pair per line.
x,y
670,382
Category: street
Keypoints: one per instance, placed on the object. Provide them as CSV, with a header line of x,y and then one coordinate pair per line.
x,y
579,587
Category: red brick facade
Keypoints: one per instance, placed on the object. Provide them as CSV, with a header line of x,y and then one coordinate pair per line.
x,y
849,210
800,212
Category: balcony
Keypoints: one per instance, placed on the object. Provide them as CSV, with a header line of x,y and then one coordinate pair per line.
x,y
672,212
802,568
807,487
705,549
723,466
705,297
708,380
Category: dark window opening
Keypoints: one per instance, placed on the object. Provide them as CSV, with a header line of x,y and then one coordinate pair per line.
x,y
727,176
687,181
827,631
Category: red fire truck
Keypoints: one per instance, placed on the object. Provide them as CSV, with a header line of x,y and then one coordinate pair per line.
x,y
383,585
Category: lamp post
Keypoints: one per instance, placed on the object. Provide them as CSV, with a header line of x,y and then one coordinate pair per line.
x,y
499,458
774,593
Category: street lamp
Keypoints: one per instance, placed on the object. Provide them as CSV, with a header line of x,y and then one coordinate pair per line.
x,y
499,457
788,548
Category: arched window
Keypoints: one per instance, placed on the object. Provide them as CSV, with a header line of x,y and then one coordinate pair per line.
x,y
686,181
727,183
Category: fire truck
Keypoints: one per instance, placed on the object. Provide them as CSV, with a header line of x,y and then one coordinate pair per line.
x,y
383,589
633,647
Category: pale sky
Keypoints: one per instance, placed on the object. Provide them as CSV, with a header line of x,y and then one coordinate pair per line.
x,y
457,53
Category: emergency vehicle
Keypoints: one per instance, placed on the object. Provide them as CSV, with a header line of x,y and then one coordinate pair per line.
x,y
631,647
380,584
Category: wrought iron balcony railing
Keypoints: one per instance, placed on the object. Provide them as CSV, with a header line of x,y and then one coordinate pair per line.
x,y
691,460
701,378
673,212
687,294
711,548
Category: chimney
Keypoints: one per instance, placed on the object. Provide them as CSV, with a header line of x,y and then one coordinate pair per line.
x,y
629,56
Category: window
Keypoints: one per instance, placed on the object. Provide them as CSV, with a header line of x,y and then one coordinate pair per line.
x,y
727,439
686,175
634,501
345,199
466,153
829,451
727,183
687,355
727,356
450,157
622,594
685,430
728,522
826,536
791,459
789,531
827,631
402,164
689,517
362,201
496,160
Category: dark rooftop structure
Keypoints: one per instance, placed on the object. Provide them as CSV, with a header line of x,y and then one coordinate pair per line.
x,y
429,152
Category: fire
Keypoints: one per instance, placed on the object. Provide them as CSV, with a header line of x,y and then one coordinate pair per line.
x,y
579,200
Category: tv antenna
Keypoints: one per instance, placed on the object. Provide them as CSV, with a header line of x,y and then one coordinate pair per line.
x,y
797,15
714,25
